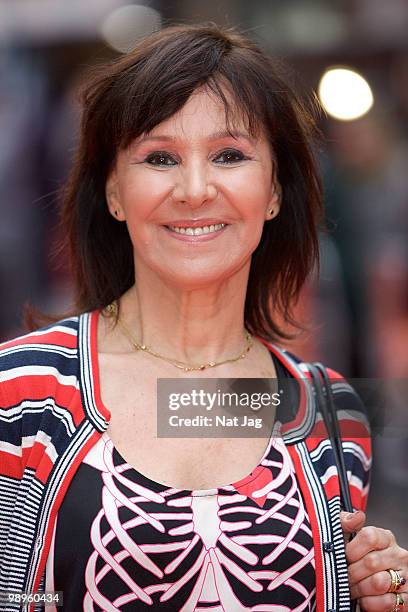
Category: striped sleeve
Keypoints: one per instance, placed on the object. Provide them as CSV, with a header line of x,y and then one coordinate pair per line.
x,y
356,438
356,442
10,465
40,408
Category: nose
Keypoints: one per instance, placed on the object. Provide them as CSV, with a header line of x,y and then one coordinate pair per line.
x,y
194,185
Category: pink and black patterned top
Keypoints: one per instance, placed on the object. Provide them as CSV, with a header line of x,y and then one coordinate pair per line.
x,y
52,416
124,542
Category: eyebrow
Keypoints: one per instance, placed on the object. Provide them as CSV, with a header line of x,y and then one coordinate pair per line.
x,y
214,136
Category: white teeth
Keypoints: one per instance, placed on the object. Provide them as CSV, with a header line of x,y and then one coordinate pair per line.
x,y
197,231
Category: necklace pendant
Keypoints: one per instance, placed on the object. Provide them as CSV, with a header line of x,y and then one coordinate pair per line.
x,y
202,367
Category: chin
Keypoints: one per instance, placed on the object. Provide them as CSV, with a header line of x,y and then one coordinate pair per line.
x,y
192,280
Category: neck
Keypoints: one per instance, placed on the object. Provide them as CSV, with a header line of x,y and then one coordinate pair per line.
x,y
190,325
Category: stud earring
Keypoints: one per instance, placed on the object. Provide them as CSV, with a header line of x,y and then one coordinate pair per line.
x,y
270,211
116,213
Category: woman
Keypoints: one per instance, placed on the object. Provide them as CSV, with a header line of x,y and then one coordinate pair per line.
x,y
191,214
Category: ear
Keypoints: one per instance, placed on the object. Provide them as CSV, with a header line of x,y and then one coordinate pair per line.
x,y
112,197
275,201
274,204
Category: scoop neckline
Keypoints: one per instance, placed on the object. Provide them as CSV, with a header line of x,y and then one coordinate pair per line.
x,y
193,492
95,374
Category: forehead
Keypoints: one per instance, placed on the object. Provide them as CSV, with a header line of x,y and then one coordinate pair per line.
x,y
205,114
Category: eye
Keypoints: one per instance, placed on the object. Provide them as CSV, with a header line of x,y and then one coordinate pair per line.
x,y
230,156
160,158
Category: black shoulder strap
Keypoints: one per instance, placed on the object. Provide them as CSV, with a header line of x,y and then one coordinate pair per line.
x,y
325,400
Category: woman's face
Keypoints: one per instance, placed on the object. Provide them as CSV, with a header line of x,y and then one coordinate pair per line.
x,y
194,198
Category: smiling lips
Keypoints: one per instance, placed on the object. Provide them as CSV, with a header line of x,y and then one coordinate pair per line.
x,y
196,231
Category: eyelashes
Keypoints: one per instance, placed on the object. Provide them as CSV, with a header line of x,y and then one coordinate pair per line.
x,y
160,158
225,157
230,154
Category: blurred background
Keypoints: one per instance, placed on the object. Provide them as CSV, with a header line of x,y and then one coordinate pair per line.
x,y
354,55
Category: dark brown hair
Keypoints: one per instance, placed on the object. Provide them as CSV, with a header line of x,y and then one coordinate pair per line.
x,y
139,90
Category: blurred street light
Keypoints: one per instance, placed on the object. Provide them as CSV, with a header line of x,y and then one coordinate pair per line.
x,y
345,94
123,26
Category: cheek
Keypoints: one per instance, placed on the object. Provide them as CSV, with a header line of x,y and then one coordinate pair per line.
x,y
143,191
251,205
250,191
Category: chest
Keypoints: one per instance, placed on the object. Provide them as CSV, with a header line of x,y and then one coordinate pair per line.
x,y
179,536
195,462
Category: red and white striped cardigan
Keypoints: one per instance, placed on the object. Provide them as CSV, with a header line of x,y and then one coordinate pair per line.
x,y
51,414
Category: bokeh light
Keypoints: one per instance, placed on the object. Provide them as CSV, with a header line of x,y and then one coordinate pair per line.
x,y
345,94
123,26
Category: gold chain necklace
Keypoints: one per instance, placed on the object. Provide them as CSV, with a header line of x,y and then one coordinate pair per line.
x,y
112,310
